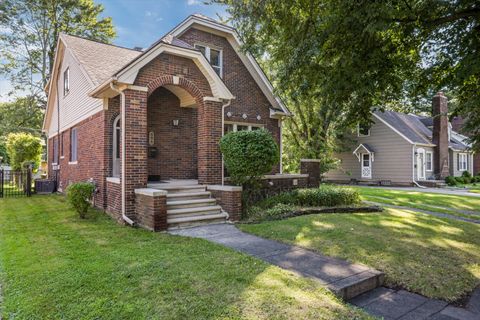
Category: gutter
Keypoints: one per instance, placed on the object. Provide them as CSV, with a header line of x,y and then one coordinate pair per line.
x,y
122,117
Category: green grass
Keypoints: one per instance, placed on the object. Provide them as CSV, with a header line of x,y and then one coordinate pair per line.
x,y
450,204
439,258
54,265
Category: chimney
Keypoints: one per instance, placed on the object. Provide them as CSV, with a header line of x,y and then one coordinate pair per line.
x,y
440,135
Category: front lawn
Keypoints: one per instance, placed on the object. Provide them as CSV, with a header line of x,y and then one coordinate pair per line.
x,y
439,258
444,203
55,266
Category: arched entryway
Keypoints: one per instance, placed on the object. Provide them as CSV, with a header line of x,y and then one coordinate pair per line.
x,y
172,124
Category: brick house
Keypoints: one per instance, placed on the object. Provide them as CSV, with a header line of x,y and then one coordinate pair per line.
x,y
144,125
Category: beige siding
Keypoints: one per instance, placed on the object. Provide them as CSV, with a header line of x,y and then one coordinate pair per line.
x,y
392,160
429,175
454,164
76,105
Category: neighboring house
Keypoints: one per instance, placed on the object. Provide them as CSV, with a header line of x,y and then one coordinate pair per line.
x,y
405,149
125,118
458,126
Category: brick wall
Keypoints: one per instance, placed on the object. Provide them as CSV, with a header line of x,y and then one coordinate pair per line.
x,y
151,209
113,200
229,198
176,145
249,99
90,156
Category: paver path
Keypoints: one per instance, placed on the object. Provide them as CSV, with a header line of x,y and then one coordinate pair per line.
x,y
343,278
403,305
334,273
437,214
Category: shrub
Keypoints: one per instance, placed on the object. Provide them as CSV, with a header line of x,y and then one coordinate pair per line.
x,y
451,181
278,211
79,195
324,196
460,180
466,174
248,155
23,147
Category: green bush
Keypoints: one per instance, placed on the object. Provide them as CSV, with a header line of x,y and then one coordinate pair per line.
x,y
22,148
324,196
278,211
79,195
248,155
450,180
466,174
460,180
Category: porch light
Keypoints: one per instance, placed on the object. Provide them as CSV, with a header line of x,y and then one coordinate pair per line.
x,y
175,123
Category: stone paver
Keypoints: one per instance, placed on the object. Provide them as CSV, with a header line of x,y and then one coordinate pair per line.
x,y
343,278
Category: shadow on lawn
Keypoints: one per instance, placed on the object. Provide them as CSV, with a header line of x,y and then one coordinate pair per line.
x,y
56,265
435,257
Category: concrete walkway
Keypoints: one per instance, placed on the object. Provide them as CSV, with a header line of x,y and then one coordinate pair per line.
x,y
403,305
356,283
456,192
346,280
436,214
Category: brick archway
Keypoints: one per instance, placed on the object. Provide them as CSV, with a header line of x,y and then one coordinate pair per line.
x,y
183,83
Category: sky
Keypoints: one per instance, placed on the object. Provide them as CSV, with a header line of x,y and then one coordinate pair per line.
x,y
139,23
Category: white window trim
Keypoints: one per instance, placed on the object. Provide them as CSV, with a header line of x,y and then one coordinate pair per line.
x,y
362,135
431,161
207,55
460,162
114,147
249,125
73,161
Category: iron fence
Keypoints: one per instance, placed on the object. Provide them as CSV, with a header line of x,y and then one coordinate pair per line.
x,y
15,183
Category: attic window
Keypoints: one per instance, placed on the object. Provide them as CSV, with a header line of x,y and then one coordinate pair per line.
x,y
66,81
363,130
214,56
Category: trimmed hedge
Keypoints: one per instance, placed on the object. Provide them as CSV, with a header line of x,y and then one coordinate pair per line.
x,y
324,196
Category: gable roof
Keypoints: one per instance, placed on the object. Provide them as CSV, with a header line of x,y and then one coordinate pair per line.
x,y
416,129
99,60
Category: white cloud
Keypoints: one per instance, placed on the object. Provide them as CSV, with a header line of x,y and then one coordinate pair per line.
x,y
193,2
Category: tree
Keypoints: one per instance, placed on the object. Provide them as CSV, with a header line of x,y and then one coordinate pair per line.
x,y
29,30
361,55
3,152
20,115
23,148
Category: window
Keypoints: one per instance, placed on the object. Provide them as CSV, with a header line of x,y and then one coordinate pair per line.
x,y
366,160
230,126
55,150
66,81
73,145
62,138
429,161
214,56
363,130
116,139
462,162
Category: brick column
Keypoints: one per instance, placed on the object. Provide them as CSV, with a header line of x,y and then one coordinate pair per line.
x,y
229,198
440,135
151,209
209,135
136,172
312,168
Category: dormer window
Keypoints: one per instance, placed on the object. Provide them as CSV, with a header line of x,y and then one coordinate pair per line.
x,y
66,81
363,130
214,56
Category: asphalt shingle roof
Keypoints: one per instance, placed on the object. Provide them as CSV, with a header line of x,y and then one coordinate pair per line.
x,y
416,128
100,60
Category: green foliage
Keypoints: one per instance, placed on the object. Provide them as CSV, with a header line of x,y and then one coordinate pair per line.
x,y
276,212
79,195
359,55
3,152
29,30
248,155
450,180
22,148
466,174
324,196
21,115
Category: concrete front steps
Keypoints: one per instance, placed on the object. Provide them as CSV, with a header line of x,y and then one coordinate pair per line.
x,y
190,205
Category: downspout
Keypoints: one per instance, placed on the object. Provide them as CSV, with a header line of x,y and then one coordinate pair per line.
x,y
122,118
223,133
413,168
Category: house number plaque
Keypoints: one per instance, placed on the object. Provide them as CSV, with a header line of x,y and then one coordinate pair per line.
x,y
151,138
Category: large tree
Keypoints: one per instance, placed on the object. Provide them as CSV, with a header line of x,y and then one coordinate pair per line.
x,y
29,31
20,115
359,55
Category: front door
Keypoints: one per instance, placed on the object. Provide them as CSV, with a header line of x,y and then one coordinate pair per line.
x,y
366,166
421,165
